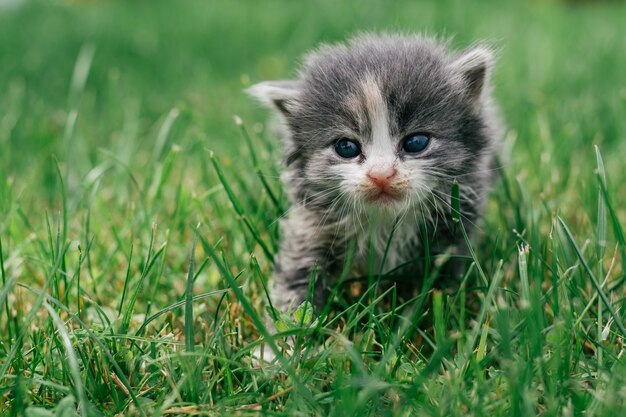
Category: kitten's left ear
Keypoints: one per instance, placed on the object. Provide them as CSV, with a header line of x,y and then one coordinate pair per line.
x,y
475,66
282,95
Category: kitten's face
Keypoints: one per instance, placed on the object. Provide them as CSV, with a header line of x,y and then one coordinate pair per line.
x,y
372,158
385,124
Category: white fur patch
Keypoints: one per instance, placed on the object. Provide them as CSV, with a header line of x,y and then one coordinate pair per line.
x,y
378,115
373,234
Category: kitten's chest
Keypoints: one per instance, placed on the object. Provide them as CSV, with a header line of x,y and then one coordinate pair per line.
x,y
380,242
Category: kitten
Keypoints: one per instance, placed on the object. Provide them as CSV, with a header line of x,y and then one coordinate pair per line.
x,y
375,133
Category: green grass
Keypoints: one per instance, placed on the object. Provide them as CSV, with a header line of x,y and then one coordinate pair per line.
x,y
119,157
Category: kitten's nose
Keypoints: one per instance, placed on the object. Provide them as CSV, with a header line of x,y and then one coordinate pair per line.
x,y
382,176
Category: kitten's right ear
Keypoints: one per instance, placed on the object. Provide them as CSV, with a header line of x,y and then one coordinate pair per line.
x,y
475,66
282,95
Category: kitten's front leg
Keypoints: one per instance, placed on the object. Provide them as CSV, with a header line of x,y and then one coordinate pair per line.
x,y
303,251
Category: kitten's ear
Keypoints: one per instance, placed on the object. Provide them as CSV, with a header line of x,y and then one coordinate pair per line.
x,y
475,65
282,95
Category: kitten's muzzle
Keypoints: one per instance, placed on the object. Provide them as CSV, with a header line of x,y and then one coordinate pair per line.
x,y
382,187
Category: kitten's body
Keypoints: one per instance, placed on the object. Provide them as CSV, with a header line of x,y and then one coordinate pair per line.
x,y
379,94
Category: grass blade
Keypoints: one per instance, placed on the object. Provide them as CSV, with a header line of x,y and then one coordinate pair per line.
x,y
256,167
126,281
257,270
602,225
95,339
239,209
151,259
4,294
71,359
176,305
258,322
164,131
617,319
226,274
29,318
189,333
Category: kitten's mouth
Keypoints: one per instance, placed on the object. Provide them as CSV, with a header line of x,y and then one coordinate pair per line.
x,y
383,197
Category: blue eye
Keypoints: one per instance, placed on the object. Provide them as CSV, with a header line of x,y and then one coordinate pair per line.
x,y
347,148
415,143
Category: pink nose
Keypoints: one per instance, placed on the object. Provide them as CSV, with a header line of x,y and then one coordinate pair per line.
x,y
382,177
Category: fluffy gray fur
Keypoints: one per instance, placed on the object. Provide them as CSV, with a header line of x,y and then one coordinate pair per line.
x,y
376,90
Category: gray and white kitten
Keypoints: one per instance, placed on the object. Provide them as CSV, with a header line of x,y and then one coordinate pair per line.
x,y
375,133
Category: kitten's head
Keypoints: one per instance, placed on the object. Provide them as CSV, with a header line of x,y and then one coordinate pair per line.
x,y
384,122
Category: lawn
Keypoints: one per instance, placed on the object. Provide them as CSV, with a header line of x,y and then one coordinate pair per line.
x,y
138,220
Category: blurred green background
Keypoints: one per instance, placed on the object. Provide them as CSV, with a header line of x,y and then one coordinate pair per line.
x,y
108,110
559,77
